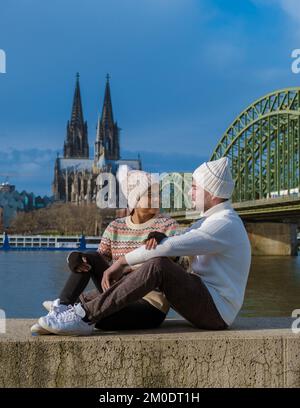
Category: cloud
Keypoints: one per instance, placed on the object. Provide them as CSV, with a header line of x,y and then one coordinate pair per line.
x,y
176,85
32,169
43,137
28,169
269,74
291,8
220,55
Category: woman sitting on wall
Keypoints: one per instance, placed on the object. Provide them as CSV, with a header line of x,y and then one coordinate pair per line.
x,y
122,235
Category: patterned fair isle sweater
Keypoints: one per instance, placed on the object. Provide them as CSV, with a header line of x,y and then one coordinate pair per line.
x,y
123,236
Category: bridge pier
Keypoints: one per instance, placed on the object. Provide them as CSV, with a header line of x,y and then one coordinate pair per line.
x,y
272,238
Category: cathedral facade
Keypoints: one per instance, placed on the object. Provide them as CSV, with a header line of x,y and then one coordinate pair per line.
x,y
75,173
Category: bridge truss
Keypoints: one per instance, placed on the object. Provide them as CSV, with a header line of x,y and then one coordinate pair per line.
x,y
263,144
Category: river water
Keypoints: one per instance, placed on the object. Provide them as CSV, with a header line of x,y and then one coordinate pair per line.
x,y
30,277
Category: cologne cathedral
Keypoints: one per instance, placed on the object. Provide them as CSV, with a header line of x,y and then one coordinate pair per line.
x,y
75,173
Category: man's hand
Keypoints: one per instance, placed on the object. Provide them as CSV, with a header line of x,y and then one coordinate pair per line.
x,y
84,266
154,238
115,272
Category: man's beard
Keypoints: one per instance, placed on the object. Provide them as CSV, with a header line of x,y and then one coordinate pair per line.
x,y
201,207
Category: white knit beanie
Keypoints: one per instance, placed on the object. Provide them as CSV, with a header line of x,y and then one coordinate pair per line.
x,y
134,183
215,177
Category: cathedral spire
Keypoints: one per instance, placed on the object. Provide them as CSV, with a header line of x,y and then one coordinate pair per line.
x,y
107,136
98,129
107,112
77,114
76,143
99,140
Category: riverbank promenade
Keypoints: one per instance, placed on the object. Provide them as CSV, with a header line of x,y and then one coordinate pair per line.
x,y
254,352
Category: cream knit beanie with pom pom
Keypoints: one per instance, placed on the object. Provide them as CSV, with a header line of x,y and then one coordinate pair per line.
x,y
134,183
215,177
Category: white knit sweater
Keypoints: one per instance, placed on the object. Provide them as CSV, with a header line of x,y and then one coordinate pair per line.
x,y
221,254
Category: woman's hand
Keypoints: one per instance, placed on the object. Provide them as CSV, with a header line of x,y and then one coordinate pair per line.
x,y
115,272
84,266
154,238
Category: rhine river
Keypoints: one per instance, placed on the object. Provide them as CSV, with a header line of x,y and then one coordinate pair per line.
x,y
27,278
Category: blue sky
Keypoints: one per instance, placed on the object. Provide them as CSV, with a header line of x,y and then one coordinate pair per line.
x,y
181,70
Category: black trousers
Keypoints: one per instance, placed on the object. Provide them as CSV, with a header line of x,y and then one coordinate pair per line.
x,y
139,314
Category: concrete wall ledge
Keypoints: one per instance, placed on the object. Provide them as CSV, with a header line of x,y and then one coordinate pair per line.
x,y
254,352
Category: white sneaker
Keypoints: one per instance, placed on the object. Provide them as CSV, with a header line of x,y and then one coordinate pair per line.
x,y
54,306
68,322
48,305
36,329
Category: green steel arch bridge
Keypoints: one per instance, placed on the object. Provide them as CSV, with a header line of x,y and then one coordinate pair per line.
x,y
263,145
